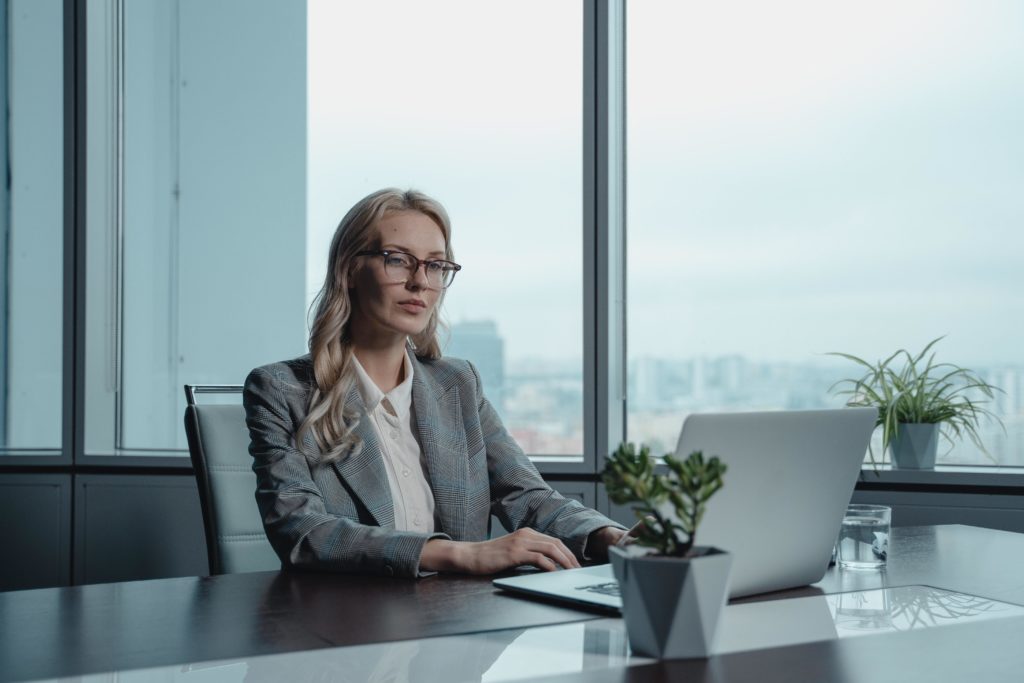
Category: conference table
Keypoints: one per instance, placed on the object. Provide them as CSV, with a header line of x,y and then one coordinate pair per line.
x,y
948,607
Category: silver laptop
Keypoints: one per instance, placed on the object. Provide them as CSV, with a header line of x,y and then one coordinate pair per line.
x,y
790,476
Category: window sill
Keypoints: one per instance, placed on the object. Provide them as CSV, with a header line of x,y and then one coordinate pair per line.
x,y
945,475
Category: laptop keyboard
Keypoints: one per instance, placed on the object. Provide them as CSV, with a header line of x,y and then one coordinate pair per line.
x,y
611,588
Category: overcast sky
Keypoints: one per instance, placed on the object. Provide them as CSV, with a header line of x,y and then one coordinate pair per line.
x,y
802,178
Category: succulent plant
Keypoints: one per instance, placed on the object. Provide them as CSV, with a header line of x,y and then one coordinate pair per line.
x,y
630,477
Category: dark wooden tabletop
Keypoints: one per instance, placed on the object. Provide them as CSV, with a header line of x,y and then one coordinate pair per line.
x,y
104,627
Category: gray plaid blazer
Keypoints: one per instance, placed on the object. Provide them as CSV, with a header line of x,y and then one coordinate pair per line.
x,y
340,516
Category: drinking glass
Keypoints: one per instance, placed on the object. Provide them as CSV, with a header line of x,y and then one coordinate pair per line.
x,y
864,537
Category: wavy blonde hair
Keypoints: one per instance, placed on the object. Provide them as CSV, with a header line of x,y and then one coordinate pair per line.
x,y
329,341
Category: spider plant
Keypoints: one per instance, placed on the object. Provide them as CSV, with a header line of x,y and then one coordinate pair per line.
x,y
912,389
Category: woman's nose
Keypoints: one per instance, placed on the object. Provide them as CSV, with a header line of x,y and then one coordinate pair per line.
x,y
418,278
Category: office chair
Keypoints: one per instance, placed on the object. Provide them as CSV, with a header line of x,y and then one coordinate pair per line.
x,y
218,443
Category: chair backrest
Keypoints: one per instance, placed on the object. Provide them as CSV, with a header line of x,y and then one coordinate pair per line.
x,y
218,442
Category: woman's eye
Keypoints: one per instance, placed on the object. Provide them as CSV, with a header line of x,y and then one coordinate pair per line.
x,y
435,267
395,260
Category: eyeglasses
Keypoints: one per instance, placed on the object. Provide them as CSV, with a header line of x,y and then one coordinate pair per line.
x,y
402,267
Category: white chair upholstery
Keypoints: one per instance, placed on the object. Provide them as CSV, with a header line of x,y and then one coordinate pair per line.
x,y
218,442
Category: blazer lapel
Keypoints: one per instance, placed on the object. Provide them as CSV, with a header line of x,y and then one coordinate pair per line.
x,y
443,439
364,470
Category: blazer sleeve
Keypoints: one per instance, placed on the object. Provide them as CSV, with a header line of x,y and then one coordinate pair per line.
x,y
519,495
295,517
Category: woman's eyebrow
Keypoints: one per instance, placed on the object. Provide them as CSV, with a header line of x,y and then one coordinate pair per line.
x,y
399,247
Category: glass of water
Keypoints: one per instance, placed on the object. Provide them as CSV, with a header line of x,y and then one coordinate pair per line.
x,y
864,537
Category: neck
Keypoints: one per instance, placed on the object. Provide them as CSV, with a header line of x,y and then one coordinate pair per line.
x,y
384,364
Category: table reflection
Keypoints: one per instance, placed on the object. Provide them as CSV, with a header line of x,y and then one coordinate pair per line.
x,y
905,608
510,655
525,654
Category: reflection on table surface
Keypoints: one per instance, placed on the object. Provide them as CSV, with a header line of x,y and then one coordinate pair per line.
x,y
509,655
904,608
521,654
778,623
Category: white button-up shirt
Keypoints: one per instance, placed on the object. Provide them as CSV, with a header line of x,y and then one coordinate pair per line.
x,y
392,417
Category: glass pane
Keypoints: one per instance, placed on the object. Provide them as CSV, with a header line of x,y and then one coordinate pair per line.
x,y
32,223
806,178
464,112
197,261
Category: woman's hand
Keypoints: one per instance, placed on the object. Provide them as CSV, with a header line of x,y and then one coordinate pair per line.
x,y
600,540
525,546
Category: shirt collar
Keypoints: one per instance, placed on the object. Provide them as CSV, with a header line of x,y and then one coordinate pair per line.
x,y
400,397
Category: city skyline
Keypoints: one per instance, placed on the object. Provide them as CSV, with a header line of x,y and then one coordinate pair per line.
x,y
541,399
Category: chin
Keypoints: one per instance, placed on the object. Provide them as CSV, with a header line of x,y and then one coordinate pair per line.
x,y
406,325
409,330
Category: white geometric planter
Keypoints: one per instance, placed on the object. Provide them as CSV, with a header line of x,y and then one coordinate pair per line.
x,y
672,605
915,445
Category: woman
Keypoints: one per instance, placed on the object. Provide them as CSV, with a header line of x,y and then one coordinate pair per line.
x,y
373,453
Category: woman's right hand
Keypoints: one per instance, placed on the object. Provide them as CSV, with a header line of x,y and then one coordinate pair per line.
x,y
524,546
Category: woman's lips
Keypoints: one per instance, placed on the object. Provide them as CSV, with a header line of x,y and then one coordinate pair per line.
x,y
414,307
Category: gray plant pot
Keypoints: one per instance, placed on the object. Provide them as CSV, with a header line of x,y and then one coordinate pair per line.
x,y
672,605
914,446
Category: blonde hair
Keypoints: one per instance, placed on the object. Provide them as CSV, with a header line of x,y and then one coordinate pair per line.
x,y
329,341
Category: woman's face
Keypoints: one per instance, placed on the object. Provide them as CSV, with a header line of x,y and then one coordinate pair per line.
x,y
384,306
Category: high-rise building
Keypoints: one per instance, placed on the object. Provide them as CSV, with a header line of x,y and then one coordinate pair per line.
x,y
645,384
1006,402
478,341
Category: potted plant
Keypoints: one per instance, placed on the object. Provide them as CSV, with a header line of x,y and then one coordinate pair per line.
x,y
672,590
917,401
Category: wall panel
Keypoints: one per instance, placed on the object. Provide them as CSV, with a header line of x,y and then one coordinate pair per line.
x,y
131,527
36,531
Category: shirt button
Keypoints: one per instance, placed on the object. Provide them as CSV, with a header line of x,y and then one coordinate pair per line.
x,y
405,472
394,435
416,521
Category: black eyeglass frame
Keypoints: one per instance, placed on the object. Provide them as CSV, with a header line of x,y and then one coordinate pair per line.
x,y
448,266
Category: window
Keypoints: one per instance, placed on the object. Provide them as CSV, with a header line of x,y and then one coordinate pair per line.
x,y
464,112
32,226
196,225
220,162
805,178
